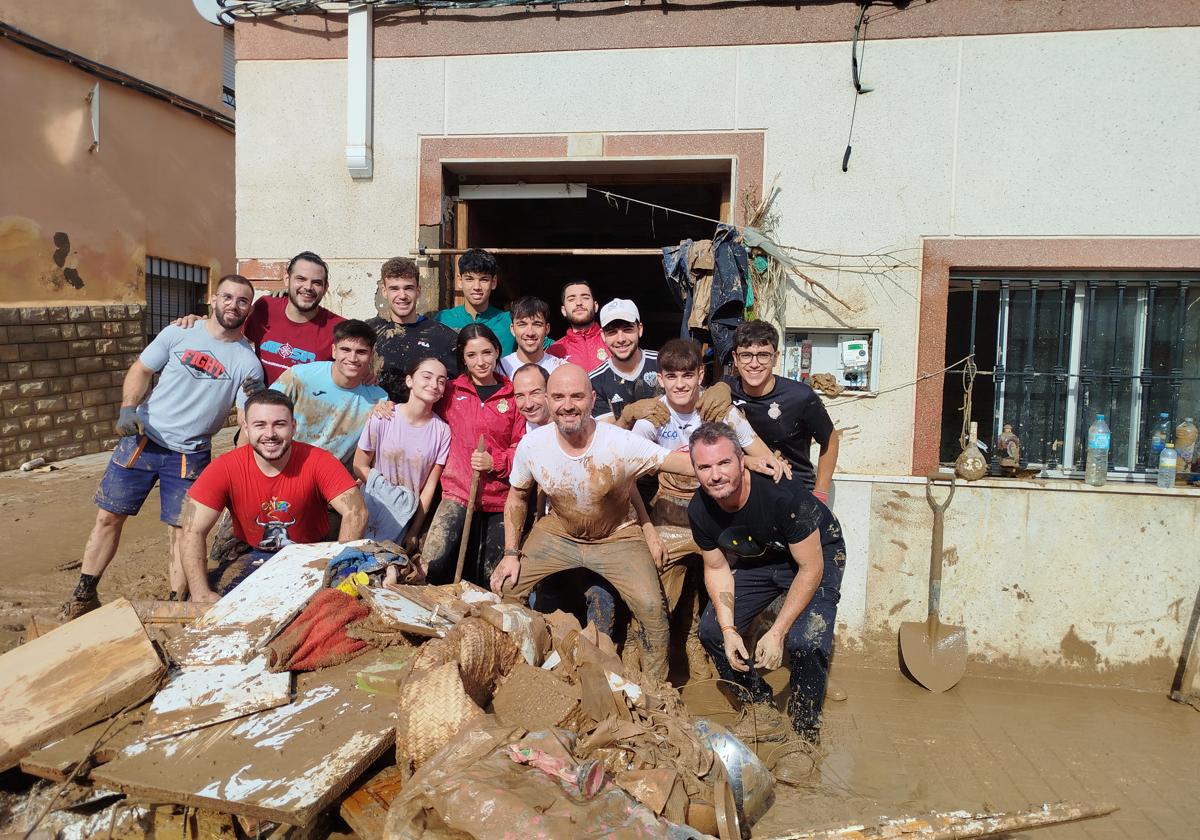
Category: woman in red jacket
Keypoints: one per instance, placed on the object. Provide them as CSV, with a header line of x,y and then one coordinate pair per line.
x,y
478,402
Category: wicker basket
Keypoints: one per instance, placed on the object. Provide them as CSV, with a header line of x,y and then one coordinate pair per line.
x,y
434,707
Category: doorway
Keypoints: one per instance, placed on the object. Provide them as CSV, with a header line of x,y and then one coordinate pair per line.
x,y
594,221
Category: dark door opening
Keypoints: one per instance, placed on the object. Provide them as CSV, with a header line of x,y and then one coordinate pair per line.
x,y
596,222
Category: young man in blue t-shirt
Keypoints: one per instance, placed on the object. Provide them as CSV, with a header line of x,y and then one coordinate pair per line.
x,y
332,401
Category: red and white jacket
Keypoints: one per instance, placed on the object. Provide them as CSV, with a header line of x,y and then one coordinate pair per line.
x,y
502,427
585,347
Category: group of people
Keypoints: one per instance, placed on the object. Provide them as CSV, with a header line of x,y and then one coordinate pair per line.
x,y
376,428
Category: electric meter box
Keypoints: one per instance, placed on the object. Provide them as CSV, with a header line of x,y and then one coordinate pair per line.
x,y
848,356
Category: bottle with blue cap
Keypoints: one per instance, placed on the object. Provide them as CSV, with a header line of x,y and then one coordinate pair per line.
x,y
1160,433
1099,440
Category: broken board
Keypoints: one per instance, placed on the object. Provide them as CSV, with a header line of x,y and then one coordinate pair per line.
x,y
235,628
287,764
196,697
73,676
403,613
365,809
102,741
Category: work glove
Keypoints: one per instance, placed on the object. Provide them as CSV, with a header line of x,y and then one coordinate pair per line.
x,y
128,423
651,409
252,384
714,403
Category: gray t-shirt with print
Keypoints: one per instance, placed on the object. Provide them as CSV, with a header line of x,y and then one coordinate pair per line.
x,y
200,378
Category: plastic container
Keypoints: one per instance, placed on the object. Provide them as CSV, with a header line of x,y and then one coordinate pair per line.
x,y
1160,433
1168,465
1185,443
1099,439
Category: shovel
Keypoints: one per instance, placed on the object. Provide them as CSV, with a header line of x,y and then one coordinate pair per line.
x,y
935,653
462,544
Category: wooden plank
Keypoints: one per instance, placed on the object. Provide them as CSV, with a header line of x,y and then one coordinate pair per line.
x,y
286,764
55,761
365,809
241,623
73,676
195,697
403,613
169,612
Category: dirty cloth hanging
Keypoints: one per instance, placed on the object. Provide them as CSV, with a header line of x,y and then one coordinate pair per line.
x,y
708,279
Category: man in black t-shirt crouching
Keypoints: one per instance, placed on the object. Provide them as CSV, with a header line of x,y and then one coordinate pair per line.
x,y
759,540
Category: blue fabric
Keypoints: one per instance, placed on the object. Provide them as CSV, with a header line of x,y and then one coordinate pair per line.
x,y
390,507
727,299
808,643
132,473
353,560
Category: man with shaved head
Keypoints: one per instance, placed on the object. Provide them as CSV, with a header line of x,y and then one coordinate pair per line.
x,y
587,471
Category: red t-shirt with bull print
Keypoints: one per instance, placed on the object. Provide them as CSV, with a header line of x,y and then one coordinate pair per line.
x,y
270,512
282,343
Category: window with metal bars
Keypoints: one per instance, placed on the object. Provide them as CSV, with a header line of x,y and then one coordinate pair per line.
x,y
1054,349
173,289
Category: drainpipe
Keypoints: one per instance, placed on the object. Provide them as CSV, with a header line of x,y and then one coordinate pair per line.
x,y
360,76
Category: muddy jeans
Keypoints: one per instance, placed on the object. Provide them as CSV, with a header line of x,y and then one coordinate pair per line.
x,y
808,644
624,562
485,544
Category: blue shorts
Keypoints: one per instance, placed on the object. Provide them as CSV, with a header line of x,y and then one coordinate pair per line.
x,y
136,464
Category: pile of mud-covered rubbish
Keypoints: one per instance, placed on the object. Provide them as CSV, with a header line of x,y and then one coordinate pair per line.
x,y
332,682
415,710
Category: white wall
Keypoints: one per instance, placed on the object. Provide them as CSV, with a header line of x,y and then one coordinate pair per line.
x,y
1062,134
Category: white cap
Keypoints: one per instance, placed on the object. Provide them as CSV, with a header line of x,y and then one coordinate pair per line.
x,y
619,309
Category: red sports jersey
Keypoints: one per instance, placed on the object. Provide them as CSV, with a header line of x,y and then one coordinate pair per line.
x,y
281,342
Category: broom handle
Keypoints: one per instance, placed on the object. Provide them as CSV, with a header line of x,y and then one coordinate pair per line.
x,y
462,543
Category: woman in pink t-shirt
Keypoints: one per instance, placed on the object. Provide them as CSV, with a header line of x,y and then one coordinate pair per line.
x,y
410,447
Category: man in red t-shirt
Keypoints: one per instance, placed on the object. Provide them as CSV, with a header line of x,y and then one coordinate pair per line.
x,y
293,328
276,489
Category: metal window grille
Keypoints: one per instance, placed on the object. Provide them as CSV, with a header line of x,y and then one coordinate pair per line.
x,y
1069,346
173,289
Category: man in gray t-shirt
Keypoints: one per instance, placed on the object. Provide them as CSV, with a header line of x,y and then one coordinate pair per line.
x,y
167,438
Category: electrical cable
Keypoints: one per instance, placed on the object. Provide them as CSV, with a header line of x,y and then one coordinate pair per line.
x,y
856,63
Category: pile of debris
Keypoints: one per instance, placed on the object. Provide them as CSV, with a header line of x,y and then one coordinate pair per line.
x,y
332,679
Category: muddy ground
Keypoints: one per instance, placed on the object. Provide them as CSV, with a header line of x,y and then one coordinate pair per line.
x,y
891,749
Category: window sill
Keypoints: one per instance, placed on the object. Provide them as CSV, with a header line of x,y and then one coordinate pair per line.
x,y
1049,484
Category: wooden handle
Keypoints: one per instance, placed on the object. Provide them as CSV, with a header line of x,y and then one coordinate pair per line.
x,y
466,532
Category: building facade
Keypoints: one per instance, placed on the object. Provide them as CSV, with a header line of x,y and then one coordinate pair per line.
x,y
118,205
1020,185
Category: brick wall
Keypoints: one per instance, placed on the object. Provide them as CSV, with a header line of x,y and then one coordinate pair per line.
x,y
63,367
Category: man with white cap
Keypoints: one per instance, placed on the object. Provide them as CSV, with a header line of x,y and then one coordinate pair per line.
x,y
630,373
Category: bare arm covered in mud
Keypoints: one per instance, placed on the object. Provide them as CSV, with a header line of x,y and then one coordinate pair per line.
x,y
354,514
826,463
718,580
516,507
811,566
195,523
657,549
424,505
363,461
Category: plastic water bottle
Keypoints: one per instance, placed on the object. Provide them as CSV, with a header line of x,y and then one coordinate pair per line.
x,y
1185,442
1168,464
1160,433
1099,439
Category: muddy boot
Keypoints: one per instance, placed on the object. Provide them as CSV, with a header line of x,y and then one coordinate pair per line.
x,y
834,691
79,604
760,723
795,764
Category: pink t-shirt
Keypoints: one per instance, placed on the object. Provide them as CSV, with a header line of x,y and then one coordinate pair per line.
x,y
406,454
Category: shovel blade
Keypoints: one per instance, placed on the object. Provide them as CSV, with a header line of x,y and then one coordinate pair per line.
x,y
936,660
